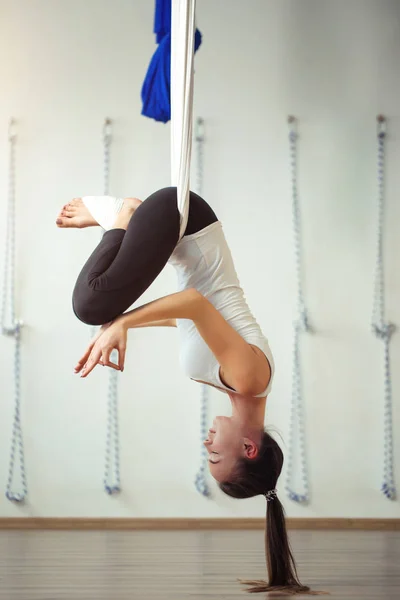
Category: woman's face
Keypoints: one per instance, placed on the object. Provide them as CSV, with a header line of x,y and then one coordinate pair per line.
x,y
225,445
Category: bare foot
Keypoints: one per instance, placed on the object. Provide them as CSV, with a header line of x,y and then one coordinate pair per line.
x,y
75,214
126,212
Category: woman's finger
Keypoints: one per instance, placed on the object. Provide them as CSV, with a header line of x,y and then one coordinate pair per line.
x,y
93,360
84,358
109,364
105,358
105,355
121,357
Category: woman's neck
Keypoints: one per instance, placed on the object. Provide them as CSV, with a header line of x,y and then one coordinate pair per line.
x,y
249,412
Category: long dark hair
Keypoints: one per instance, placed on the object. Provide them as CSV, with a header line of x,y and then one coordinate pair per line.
x,y
259,476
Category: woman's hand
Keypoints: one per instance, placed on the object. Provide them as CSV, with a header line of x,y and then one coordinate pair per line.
x,y
111,337
82,361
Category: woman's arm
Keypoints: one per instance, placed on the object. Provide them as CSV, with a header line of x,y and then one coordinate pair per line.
x,y
241,368
182,305
161,323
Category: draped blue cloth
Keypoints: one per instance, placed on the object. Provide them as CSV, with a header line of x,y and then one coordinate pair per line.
x,y
156,87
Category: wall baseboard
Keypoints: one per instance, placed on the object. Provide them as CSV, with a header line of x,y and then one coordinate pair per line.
x,y
118,524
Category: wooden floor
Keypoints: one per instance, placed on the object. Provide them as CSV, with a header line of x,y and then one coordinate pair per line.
x,y
117,565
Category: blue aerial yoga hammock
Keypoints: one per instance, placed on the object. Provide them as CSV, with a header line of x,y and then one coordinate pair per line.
x,y
156,86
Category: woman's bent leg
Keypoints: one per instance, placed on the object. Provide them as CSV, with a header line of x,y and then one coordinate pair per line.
x,y
125,263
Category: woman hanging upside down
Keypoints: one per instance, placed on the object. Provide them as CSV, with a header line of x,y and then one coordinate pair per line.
x,y
221,343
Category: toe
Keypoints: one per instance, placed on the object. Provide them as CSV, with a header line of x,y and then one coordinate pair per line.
x,y
65,222
76,202
69,211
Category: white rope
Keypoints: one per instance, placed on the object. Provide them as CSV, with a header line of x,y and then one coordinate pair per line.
x,y
112,480
11,327
301,325
201,477
381,328
182,52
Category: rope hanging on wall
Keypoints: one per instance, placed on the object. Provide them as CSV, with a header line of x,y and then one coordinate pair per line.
x,y
11,327
381,328
201,478
112,480
297,450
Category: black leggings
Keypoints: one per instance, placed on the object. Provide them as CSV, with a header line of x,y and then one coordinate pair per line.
x,y
125,263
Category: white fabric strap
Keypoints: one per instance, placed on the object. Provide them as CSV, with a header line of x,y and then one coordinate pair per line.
x,y
182,51
104,209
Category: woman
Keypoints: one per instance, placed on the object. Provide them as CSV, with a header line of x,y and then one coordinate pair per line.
x,y
221,343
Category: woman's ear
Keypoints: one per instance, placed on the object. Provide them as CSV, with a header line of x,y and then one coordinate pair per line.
x,y
250,449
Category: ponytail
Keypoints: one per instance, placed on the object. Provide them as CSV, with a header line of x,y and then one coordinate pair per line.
x,y
281,566
282,573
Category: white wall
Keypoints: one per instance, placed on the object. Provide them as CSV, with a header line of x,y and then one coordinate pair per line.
x,y
64,66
